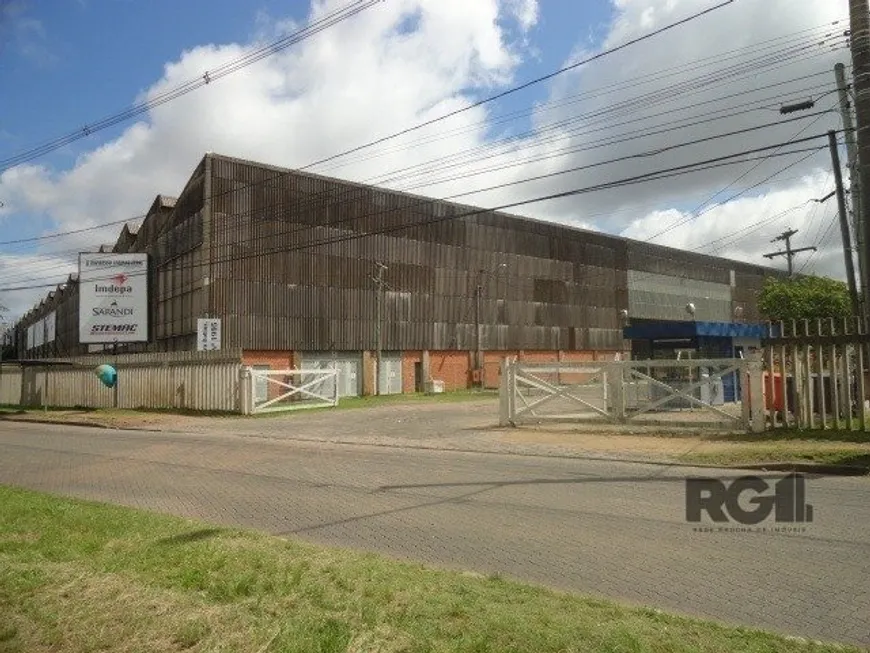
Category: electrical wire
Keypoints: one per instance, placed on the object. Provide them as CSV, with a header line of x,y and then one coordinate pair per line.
x,y
331,19
642,178
426,201
698,120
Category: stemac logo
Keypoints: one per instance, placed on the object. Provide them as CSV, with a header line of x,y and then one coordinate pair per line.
x,y
113,329
720,500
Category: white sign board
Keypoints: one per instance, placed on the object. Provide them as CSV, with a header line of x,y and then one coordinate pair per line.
x,y
113,298
51,326
39,333
208,334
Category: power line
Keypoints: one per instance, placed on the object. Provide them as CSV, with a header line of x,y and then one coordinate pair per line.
x,y
333,18
692,215
643,178
701,119
525,85
286,173
425,201
592,145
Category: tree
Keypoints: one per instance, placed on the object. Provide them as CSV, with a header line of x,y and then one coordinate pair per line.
x,y
804,298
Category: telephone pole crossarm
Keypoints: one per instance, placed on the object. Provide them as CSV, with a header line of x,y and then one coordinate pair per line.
x,y
788,252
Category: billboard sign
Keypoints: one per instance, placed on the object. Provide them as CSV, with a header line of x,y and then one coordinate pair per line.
x,y
113,298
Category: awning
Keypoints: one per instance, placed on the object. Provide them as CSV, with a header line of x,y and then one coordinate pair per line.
x,y
655,330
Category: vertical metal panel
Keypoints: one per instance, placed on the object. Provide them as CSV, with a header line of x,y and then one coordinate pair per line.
x,y
184,385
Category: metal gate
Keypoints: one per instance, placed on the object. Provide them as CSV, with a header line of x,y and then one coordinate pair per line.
x,y
673,392
290,389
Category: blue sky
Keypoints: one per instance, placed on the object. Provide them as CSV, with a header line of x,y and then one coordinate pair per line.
x,y
74,61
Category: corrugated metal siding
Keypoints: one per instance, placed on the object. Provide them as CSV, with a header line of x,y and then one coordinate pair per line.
x,y
10,385
278,256
323,297
194,386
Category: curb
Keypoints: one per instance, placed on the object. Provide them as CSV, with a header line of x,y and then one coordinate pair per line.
x,y
822,469
92,425
808,468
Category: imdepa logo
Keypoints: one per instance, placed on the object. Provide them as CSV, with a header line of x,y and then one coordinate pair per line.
x,y
117,286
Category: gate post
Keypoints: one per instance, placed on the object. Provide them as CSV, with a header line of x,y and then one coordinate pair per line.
x,y
504,390
616,381
246,391
757,411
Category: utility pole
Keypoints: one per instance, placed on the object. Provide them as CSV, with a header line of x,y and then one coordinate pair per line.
x,y
478,345
852,165
844,220
788,252
378,337
859,31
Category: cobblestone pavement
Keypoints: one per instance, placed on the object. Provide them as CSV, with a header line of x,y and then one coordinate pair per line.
x,y
604,528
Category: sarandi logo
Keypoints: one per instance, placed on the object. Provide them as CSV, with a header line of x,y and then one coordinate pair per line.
x,y
113,310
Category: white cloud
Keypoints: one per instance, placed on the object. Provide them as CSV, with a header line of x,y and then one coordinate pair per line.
x,y
12,265
407,61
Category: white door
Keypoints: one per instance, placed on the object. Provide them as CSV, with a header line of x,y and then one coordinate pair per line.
x,y
261,384
348,366
390,377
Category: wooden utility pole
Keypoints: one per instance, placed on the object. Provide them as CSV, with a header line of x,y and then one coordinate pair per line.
x,y
844,220
478,345
788,252
378,336
852,165
859,32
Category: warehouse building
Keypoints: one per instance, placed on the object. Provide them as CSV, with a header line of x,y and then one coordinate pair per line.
x,y
304,270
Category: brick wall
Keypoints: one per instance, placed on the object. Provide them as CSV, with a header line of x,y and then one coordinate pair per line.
x,y
451,367
492,366
276,360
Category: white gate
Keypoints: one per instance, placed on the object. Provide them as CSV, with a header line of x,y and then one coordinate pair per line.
x,y
289,389
673,392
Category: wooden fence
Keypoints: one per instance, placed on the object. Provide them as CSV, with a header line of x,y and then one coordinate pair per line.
x,y
177,380
814,374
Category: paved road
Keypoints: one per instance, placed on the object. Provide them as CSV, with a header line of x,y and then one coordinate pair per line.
x,y
608,528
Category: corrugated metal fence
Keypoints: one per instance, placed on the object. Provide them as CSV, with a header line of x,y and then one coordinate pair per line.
x,y
179,380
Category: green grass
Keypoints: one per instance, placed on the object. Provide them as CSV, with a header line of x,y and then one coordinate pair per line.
x,y
849,456
78,576
442,397
801,435
343,403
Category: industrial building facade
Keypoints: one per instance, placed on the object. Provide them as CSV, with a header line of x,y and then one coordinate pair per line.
x,y
302,269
